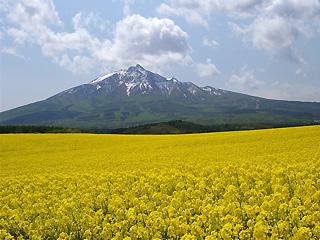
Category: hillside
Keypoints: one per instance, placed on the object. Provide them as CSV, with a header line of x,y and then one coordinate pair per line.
x,y
136,96
183,127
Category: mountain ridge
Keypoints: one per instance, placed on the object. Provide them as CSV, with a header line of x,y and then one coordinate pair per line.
x,y
138,81
137,96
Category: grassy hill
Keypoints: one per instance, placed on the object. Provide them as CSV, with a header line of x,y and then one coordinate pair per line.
x,y
170,127
111,113
182,127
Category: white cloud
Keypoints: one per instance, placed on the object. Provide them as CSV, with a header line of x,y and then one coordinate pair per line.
x,y
245,79
152,41
19,36
276,36
31,22
239,31
239,8
156,43
33,14
77,65
210,43
193,11
242,8
207,69
273,33
198,11
13,52
295,9
272,25
91,21
80,40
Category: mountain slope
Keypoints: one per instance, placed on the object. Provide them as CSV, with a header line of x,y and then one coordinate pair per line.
x,y
136,81
137,96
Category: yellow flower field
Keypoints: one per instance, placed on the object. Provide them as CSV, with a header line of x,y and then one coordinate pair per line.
x,y
235,185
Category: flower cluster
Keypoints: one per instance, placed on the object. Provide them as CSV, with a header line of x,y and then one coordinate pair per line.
x,y
262,190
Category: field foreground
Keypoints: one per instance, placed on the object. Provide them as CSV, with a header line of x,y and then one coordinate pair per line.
x,y
235,185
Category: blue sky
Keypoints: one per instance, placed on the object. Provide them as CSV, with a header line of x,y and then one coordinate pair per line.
x,y
268,48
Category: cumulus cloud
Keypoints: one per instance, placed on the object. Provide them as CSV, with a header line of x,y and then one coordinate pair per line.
x,y
207,69
157,43
239,8
19,36
273,33
276,36
271,25
33,14
31,23
294,8
242,8
76,64
91,21
193,11
151,41
199,11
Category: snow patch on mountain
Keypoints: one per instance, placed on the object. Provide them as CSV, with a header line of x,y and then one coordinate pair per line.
x,y
121,73
130,86
138,81
172,79
214,91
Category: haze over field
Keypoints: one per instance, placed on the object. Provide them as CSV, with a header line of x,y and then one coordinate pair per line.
x,y
267,48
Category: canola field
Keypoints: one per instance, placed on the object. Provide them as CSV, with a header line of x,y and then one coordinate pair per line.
x,y
235,185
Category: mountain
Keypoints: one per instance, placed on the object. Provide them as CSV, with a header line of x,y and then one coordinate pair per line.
x,y
136,81
137,96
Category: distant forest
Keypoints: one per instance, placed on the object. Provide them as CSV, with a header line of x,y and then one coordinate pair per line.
x,y
37,129
171,127
182,127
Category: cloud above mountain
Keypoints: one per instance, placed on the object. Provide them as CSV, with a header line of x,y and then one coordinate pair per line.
x,y
156,43
271,25
205,41
149,41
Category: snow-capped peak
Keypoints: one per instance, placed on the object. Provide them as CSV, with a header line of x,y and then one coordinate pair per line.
x,y
208,88
172,79
105,76
134,72
138,81
213,91
138,67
